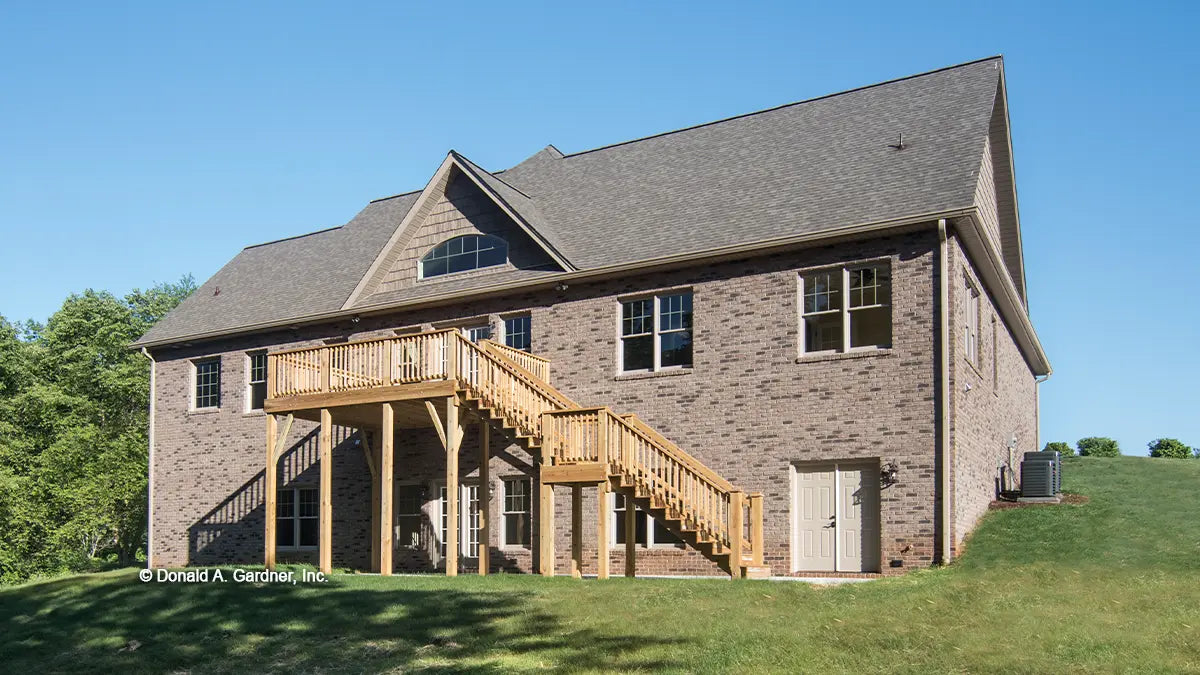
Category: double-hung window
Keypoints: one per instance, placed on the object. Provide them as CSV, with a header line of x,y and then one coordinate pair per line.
x,y
477,333
297,518
971,325
516,512
846,308
517,333
656,333
648,531
208,384
256,382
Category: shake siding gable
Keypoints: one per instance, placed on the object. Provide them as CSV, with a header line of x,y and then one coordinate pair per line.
x,y
985,197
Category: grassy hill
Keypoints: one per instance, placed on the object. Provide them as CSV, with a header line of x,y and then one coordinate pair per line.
x,y
1110,585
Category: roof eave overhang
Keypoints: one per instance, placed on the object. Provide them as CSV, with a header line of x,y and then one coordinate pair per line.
x,y
993,272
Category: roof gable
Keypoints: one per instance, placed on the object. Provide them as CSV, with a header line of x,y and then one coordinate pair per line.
x,y
460,199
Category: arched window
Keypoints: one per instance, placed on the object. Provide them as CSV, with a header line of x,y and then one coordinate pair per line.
x,y
469,252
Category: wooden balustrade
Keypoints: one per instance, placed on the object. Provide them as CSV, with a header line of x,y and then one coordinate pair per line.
x,y
403,359
537,366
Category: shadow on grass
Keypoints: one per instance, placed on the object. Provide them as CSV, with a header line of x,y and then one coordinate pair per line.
x,y
373,625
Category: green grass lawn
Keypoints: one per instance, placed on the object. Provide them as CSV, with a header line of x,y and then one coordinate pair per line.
x,y
1110,585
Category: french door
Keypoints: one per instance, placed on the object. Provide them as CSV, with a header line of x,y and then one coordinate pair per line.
x,y
835,517
468,520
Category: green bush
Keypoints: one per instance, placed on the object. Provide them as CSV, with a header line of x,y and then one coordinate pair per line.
x,y
1098,446
1169,447
1061,448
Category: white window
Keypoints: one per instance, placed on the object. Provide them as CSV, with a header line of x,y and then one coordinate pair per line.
x,y
297,518
477,333
517,332
845,309
408,516
516,512
656,333
207,375
460,254
468,520
648,532
256,380
971,325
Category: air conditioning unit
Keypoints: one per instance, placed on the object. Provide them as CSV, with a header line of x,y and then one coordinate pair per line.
x,y
1041,474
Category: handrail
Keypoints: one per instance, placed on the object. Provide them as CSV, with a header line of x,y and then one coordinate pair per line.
x,y
535,365
695,464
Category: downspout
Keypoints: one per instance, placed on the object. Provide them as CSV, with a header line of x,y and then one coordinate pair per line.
x,y
1037,410
150,464
944,386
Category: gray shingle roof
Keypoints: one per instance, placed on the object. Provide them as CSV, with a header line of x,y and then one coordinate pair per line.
x,y
799,168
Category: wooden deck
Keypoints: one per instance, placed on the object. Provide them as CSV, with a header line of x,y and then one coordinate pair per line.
x,y
440,378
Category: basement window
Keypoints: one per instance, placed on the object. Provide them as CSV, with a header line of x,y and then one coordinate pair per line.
x,y
516,512
648,531
297,519
408,516
846,309
462,254
656,333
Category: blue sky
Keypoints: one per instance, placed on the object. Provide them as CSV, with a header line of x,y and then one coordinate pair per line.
x,y
141,141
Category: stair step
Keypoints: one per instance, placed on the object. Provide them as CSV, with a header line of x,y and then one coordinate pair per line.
x,y
756,572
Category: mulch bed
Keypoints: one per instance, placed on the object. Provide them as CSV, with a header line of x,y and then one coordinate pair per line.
x,y
1067,498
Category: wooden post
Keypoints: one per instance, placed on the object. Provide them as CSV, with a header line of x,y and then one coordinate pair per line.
x,y
485,497
736,519
756,528
577,531
325,370
630,538
386,486
325,554
272,492
545,516
602,527
453,436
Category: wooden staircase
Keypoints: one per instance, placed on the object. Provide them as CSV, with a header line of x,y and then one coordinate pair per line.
x,y
587,446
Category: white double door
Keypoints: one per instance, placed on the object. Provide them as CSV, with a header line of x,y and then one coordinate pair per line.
x,y
468,520
835,517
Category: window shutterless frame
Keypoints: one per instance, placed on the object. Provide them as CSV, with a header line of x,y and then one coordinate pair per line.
x,y
661,324
650,533
297,519
206,381
256,380
836,305
515,513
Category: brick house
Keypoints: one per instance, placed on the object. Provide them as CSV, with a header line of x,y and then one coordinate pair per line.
x,y
793,341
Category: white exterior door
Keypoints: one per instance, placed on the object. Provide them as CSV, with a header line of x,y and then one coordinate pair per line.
x,y
835,516
814,511
858,519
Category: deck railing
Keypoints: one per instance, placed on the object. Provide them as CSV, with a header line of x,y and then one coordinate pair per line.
x,y
508,381
629,448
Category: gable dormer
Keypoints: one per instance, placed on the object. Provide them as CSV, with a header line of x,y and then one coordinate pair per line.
x,y
465,224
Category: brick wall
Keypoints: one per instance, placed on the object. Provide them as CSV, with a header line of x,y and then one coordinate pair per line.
x,y
992,401
750,408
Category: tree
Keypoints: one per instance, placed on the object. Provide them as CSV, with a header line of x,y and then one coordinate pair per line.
x,y
1169,447
1098,446
73,432
1063,449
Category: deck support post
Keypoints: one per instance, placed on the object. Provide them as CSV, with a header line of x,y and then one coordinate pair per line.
x,y
545,515
630,538
271,493
325,554
602,530
756,528
485,497
453,438
387,456
577,531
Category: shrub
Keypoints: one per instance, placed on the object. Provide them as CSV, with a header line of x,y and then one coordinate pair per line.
x,y
1061,448
1169,447
1098,446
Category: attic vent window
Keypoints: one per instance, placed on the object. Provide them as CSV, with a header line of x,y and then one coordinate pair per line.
x,y
461,254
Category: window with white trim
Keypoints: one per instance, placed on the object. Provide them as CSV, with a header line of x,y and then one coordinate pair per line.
x,y
517,332
656,333
408,516
477,333
462,254
297,518
256,380
208,383
517,509
971,324
846,309
648,531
